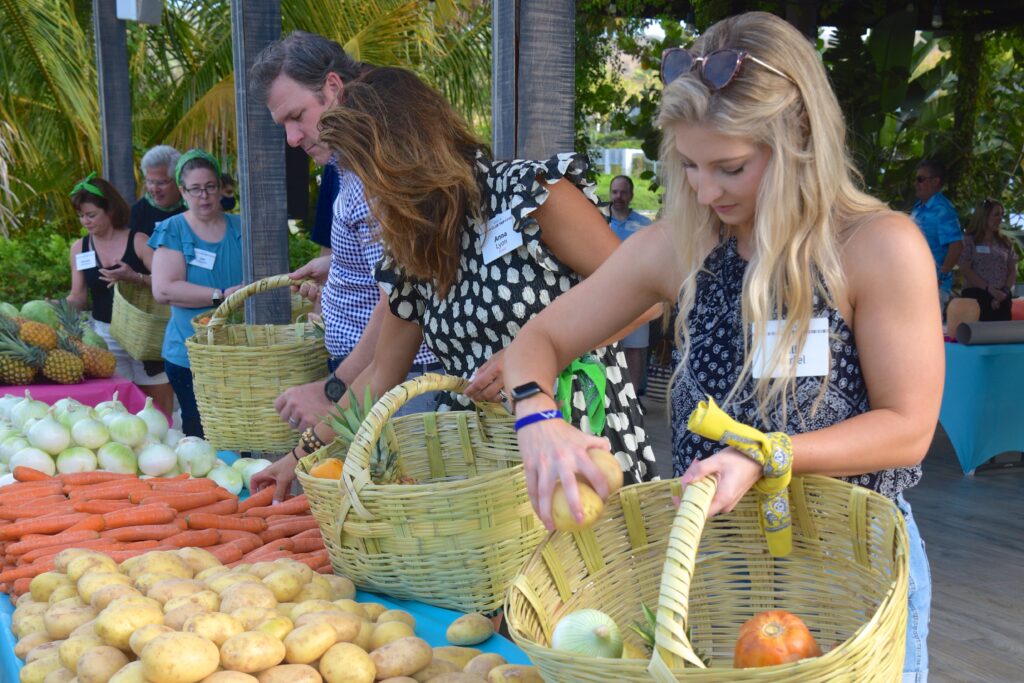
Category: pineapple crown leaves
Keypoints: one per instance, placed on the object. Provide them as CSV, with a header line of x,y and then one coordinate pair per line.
x,y
646,629
71,320
65,343
345,423
8,326
13,347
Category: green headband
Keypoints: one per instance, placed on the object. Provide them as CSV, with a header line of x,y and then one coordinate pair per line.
x,y
87,186
195,154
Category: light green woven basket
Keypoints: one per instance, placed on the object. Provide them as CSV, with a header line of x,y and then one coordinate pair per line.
x,y
138,322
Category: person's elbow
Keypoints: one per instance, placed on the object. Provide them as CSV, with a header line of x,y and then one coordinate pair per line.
x,y
161,292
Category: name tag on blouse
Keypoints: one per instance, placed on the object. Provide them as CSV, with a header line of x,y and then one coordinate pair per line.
x,y
203,259
983,249
501,237
811,361
85,260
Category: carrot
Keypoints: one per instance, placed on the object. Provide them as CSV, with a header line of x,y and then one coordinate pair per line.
x,y
22,473
41,541
307,545
221,507
259,499
183,485
26,571
226,552
205,520
247,541
21,585
293,506
95,477
21,491
100,506
314,559
142,532
26,511
41,525
196,538
178,501
121,554
309,533
143,514
288,529
95,544
325,569
119,491
258,555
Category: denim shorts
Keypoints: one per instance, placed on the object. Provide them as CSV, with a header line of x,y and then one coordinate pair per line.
x,y
915,665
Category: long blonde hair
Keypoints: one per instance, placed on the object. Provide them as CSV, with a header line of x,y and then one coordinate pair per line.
x,y
807,201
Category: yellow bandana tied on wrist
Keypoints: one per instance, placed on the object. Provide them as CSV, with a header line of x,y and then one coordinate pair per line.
x,y
773,452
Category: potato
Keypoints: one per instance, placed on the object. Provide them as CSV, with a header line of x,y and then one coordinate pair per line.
x,y
304,571
315,590
179,658
365,636
145,582
177,617
592,505
396,615
85,629
388,632
399,679
221,581
279,627
43,584
98,664
341,587
60,675
37,670
160,562
317,606
373,609
140,639
251,617
107,594
61,619
44,650
347,663
206,599
460,656
168,589
290,673
118,621
470,629
609,466
30,642
285,584
210,572
130,673
514,672
198,559
433,670
83,563
353,607
246,594
214,626
61,559
61,593
458,677
23,599
92,581
402,657
73,648
483,663
251,651
118,603
32,623
307,643
346,626
229,677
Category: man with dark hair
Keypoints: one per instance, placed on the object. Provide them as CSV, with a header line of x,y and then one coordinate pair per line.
x,y
939,222
299,77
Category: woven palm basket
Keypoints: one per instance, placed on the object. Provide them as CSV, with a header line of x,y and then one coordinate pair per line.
x,y
300,306
458,536
846,577
239,370
138,322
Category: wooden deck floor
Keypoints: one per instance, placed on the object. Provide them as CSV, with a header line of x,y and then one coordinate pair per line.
x,y
974,531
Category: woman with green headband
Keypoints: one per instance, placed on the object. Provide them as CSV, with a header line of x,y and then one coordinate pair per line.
x,y
196,264
110,253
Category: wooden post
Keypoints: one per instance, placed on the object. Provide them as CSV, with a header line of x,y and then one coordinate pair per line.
x,y
115,98
261,167
533,78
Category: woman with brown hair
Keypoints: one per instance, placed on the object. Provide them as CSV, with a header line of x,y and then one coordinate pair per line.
x,y
988,262
474,248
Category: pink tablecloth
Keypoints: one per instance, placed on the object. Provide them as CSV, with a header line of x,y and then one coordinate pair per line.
x,y
89,392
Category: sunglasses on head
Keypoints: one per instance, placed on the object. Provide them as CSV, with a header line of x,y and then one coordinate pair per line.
x,y
717,69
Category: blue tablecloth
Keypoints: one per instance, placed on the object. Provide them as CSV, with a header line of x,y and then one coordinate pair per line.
x,y
431,624
980,409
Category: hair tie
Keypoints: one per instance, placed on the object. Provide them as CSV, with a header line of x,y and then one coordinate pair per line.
x,y
195,154
84,184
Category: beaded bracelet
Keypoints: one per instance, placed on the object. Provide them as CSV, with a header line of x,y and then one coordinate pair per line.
x,y
310,442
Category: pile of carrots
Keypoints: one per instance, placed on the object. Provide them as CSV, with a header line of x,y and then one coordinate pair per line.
x,y
124,516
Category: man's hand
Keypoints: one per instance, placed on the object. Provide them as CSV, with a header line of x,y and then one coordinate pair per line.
x,y
303,406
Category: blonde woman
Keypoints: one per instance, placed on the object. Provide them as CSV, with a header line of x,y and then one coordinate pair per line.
x,y
989,262
766,245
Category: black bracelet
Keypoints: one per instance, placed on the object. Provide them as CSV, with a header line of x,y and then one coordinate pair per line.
x,y
310,442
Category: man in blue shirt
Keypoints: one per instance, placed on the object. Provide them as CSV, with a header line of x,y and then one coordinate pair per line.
x,y
939,222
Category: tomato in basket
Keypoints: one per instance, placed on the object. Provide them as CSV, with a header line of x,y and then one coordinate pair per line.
x,y
774,637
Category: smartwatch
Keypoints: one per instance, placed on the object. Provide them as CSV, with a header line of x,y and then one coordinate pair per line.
x,y
524,391
334,389
217,297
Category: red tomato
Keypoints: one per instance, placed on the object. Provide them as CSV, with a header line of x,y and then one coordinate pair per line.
x,y
773,637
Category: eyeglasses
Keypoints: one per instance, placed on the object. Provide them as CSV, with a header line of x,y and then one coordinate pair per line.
x,y
717,69
158,183
199,190
922,178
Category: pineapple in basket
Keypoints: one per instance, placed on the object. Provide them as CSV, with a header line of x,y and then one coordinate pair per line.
x,y
14,369
98,362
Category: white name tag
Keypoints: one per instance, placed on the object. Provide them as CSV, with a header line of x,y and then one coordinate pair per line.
x,y
813,359
85,260
203,259
983,249
501,237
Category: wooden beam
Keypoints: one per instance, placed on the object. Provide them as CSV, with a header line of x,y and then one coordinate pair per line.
x,y
505,44
261,167
115,97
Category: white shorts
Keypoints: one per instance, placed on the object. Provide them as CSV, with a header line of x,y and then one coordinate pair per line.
x,y
127,367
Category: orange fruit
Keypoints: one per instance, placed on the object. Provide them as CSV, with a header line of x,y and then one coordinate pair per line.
x,y
328,469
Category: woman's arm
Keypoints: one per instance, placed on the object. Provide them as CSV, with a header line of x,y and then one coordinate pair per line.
x,y
171,287
79,294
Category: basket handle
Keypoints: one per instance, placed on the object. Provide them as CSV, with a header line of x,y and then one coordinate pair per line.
x,y
237,298
671,646
355,473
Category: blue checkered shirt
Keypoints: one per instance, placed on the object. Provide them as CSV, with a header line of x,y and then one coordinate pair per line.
x,y
351,292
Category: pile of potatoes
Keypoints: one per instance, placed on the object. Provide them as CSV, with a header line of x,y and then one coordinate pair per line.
x,y
182,617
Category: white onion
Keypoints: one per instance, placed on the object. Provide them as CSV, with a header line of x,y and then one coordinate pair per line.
x,y
156,422
10,446
90,433
157,459
62,406
172,438
227,478
7,402
195,456
7,480
128,429
76,459
7,432
250,466
588,632
76,414
34,458
112,404
116,457
171,473
108,417
27,408
49,435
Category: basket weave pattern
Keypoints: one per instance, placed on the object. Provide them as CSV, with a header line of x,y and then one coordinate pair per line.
x,y
457,537
846,577
239,370
138,322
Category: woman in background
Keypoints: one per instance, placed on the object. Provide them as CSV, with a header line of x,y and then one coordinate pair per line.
x,y
988,262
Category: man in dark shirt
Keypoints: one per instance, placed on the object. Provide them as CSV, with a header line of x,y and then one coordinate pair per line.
x,y
162,198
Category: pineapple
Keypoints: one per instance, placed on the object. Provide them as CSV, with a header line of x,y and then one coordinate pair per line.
x,y
38,334
19,362
70,319
63,367
98,362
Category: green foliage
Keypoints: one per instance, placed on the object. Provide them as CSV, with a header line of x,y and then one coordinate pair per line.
x,y
301,249
36,265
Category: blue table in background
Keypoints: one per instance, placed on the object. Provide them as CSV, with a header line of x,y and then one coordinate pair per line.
x,y
982,408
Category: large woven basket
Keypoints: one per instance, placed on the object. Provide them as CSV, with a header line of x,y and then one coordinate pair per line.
x,y
457,537
138,322
846,577
300,306
239,370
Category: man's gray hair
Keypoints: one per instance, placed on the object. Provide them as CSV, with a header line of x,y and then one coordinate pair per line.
x,y
161,155
306,58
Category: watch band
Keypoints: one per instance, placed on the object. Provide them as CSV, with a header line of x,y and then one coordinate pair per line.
x,y
334,388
